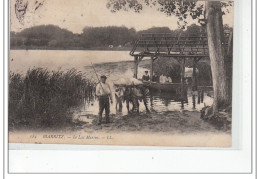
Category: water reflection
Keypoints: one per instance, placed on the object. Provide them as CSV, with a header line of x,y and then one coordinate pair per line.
x,y
157,102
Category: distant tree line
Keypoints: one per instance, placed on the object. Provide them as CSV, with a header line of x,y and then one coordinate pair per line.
x,y
54,37
44,36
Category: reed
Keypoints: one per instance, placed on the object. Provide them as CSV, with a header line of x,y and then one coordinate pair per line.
x,y
44,99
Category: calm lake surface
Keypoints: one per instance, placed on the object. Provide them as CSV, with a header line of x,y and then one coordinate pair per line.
x,y
22,60
114,64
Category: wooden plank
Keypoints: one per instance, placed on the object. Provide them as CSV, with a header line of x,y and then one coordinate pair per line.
x,y
171,41
173,45
172,55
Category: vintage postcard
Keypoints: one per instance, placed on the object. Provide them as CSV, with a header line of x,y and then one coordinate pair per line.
x,y
121,72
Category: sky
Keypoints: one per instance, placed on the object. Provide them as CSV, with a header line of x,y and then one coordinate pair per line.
x,y
74,15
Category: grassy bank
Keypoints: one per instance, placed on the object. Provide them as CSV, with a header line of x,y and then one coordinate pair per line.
x,y
44,99
170,122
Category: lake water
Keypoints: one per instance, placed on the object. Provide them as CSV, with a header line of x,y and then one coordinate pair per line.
x,y
114,64
22,60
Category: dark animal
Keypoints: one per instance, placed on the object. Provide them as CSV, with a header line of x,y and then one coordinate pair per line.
x,y
134,94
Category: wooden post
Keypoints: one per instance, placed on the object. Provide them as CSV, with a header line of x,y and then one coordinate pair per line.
x,y
199,95
202,95
194,83
136,66
182,71
151,69
194,101
182,83
136,62
194,76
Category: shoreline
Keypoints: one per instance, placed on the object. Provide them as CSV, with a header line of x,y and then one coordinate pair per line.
x,y
85,49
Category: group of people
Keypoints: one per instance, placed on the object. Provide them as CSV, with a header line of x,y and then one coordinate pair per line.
x,y
128,94
165,79
156,78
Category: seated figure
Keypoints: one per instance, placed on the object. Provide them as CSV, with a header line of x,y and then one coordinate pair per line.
x,y
146,77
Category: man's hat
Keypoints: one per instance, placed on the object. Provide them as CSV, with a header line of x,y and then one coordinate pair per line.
x,y
103,76
146,71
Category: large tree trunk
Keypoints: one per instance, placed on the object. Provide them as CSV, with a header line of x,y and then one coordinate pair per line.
x,y
217,54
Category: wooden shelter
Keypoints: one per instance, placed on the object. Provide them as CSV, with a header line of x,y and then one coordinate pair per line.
x,y
155,45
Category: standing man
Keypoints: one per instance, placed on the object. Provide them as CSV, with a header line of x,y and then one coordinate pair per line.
x,y
103,93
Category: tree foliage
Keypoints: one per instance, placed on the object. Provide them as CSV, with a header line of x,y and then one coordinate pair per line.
x,y
105,36
50,36
43,35
182,9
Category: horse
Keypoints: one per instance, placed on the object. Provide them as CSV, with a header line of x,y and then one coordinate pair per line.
x,y
134,94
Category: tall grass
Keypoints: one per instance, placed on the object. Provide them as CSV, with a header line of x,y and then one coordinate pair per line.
x,y
43,99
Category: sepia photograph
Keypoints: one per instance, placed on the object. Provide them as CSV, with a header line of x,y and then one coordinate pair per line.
x,y
121,72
